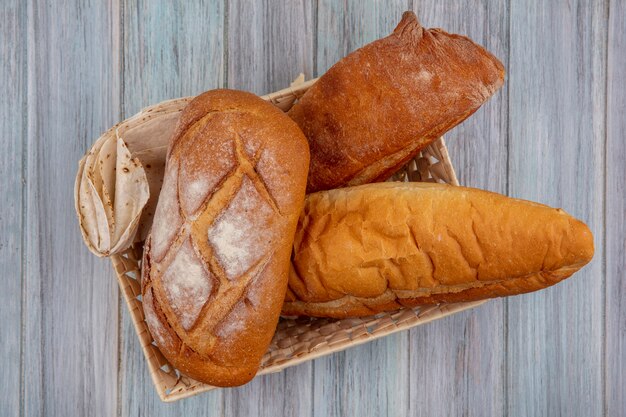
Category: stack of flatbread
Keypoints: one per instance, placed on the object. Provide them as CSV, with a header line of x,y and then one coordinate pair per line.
x,y
118,175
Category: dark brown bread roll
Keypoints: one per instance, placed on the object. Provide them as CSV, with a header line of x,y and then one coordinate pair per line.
x,y
216,262
376,108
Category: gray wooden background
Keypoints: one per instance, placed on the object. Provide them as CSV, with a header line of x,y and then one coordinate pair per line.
x,y
554,134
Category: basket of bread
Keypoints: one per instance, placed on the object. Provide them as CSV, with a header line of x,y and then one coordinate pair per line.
x,y
250,234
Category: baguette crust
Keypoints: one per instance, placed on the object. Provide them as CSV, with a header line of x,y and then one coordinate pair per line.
x,y
378,247
216,262
376,108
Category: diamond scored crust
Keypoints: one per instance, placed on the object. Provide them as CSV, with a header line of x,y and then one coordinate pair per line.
x,y
238,246
187,285
238,242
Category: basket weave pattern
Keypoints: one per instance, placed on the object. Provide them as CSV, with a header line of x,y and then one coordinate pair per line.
x,y
300,339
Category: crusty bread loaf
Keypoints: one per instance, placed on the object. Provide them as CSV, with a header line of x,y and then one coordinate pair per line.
x,y
216,262
376,108
376,247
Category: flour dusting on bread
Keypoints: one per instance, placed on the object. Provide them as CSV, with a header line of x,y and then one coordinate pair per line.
x,y
187,285
164,232
240,240
203,165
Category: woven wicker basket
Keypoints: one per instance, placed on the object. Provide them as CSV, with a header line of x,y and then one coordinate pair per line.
x,y
296,340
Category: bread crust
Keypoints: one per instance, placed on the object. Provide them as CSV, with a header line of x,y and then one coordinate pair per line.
x,y
377,247
216,262
379,106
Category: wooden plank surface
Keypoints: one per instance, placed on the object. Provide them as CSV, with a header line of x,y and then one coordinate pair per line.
x,y
556,112
32,361
457,352
170,49
12,126
370,379
615,212
553,134
71,321
269,44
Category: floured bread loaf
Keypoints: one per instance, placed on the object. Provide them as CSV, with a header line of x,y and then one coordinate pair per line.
x,y
216,262
379,106
376,247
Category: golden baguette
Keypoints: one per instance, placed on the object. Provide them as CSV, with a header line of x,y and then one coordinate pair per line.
x,y
377,247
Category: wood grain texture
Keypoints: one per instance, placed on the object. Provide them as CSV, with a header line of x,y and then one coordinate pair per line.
x,y
615,212
367,380
345,26
269,44
466,369
556,112
371,379
171,49
70,341
12,126
32,400
286,393
554,134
